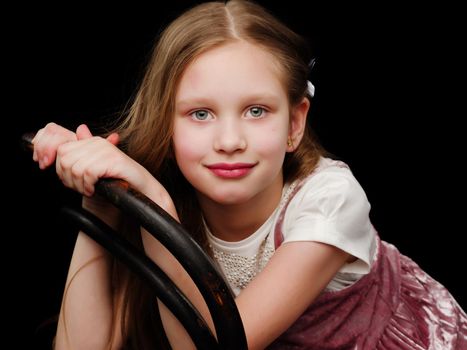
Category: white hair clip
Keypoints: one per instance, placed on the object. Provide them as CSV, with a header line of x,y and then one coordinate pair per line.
x,y
310,88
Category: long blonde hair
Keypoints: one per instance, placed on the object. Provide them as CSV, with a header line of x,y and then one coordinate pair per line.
x,y
146,131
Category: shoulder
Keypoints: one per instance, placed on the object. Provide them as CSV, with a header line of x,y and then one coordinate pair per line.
x,y
330,188
330,206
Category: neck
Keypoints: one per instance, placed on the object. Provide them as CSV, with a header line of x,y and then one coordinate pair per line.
x,y
235,222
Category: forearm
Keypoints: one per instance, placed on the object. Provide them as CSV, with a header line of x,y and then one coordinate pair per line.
x,y
85,320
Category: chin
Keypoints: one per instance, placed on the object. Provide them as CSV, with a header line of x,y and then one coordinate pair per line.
x,y
229,198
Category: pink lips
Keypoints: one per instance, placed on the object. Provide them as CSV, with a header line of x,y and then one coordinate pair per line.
x,y
231,170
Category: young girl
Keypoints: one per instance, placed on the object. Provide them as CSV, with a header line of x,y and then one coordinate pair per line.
x,y
217,136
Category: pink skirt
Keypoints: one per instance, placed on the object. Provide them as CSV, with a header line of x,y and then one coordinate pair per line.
x,y
397,306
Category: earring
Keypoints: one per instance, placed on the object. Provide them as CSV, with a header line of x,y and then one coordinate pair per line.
x,y
289,142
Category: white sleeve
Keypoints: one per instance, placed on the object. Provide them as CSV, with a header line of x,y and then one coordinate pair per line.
x,y
332,208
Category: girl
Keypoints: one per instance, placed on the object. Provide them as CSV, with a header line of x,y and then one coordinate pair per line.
x,y
217,136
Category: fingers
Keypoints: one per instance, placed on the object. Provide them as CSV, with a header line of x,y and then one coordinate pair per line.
x,y
79,164
80,158
83,132
46,142
113,138
35,156
82,163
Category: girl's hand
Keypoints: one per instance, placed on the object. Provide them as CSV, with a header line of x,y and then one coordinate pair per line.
x,y
46,142
81,159
81,163
48,139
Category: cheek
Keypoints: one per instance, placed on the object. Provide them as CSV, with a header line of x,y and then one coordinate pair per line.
x,y
188,145
269,145
271,141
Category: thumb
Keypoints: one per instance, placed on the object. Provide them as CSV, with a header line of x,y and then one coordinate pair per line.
x,y
82,132
113,138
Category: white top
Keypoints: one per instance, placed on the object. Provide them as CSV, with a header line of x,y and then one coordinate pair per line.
x,y
330,207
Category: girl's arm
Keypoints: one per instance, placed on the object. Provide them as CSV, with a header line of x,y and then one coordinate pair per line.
x,y
89,314
293,278
272,301
85,320
89,304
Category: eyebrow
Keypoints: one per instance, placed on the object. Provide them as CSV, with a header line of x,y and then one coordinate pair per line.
x,y
191,101
199,100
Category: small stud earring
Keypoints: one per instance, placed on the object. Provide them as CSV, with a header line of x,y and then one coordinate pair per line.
x,y
289,142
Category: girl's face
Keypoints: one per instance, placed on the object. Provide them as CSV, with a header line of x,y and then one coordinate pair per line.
x,y
231,124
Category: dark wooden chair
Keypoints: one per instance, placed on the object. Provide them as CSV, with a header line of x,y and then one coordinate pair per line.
x,y
201,268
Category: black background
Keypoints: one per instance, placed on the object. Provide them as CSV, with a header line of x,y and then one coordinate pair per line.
x,y
387,101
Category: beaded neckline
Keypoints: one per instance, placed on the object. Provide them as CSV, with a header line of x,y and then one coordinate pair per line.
x,y
240,270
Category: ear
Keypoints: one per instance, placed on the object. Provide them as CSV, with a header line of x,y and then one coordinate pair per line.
x,y
297,124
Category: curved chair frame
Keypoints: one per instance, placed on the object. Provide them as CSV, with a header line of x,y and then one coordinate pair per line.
x,y
205,274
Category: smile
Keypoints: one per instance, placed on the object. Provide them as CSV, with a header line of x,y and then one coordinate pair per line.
x,y
231,170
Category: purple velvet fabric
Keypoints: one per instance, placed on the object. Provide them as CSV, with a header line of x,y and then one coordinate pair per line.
x,y
396,306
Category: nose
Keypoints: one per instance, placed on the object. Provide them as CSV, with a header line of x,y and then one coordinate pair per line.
x,y
230,136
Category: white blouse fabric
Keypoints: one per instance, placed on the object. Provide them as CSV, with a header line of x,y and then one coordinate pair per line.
x,y
330,207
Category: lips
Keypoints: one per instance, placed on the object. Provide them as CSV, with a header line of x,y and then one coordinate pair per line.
x,y
231,170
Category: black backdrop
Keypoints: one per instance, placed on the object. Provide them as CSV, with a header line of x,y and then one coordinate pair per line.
x,y
386,102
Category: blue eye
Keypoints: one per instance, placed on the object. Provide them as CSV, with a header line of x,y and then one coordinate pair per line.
x,y
201,114
256,112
